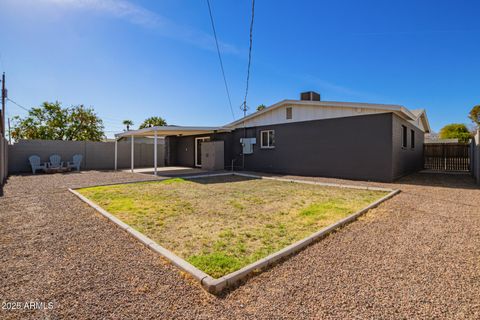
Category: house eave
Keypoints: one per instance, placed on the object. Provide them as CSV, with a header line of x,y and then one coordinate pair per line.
x,y
398,109
171,131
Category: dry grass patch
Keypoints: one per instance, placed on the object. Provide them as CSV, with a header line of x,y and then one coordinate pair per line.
x,y
221,224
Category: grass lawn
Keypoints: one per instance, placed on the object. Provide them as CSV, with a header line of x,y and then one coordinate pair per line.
x,y
221,224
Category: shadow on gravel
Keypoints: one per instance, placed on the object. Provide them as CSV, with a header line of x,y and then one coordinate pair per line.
x,y
43,174
442,180
2,185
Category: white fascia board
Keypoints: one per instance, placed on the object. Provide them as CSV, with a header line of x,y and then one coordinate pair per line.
x,y
170,130
423,117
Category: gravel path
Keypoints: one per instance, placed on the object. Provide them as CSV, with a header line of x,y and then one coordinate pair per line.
x,y
415,256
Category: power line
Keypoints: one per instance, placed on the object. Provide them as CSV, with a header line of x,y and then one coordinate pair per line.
x,y
220,59
18,105
245,108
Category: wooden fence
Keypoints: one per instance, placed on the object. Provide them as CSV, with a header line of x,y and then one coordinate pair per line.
x,y
447,156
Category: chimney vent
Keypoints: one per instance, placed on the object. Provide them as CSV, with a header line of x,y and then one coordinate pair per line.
x,y
310,96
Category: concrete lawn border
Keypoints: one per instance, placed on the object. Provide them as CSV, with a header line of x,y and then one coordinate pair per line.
x,y
216,286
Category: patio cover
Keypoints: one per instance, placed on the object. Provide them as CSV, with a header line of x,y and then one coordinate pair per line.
x,y
170,131
162,131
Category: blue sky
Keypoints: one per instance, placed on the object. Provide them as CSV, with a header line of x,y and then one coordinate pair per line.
x,y
135,59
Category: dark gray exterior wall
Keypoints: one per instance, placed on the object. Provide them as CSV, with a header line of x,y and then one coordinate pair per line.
x,y
406,160
181,150
361,148
185,151
352,147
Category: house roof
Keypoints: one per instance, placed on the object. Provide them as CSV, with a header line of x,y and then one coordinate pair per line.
x,y
421,115
416,115
170,130
398,109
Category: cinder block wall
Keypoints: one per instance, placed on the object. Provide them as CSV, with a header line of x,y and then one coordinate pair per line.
x,y
96,155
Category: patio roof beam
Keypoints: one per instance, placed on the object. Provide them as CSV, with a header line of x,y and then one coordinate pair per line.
x,y
132,157
171,131
155,140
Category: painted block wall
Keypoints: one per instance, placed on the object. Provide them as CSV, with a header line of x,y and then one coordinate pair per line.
x,y
96,155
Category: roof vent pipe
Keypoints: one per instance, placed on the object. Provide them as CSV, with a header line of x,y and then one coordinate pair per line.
x,y
310,96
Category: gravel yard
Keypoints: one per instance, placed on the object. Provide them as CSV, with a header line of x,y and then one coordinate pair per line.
x,y
415,256
221,224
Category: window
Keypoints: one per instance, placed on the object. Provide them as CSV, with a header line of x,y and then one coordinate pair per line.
x,y
267,139
412,139
404,136
288,113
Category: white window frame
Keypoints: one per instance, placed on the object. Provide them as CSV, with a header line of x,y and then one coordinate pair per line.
x,y
268,146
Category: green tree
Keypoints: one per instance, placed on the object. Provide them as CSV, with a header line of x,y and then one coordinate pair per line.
x,y
474,115
83,124
127,123
52,122
261,107
153,122
455,131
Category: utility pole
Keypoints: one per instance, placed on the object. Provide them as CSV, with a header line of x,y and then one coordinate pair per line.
x,y
4,96
244,108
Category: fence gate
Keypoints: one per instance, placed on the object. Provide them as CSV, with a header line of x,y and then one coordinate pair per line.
x,y
447,156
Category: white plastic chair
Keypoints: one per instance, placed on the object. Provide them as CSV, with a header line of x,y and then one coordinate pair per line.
x,y
55,162
36,164
75,163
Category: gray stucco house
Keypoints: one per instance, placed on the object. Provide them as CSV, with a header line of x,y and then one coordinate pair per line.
x,y
361,141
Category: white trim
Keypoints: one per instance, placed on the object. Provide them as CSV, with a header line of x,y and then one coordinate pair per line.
x,y
196,145
155,142
171,130
268,139
132,154
422,116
